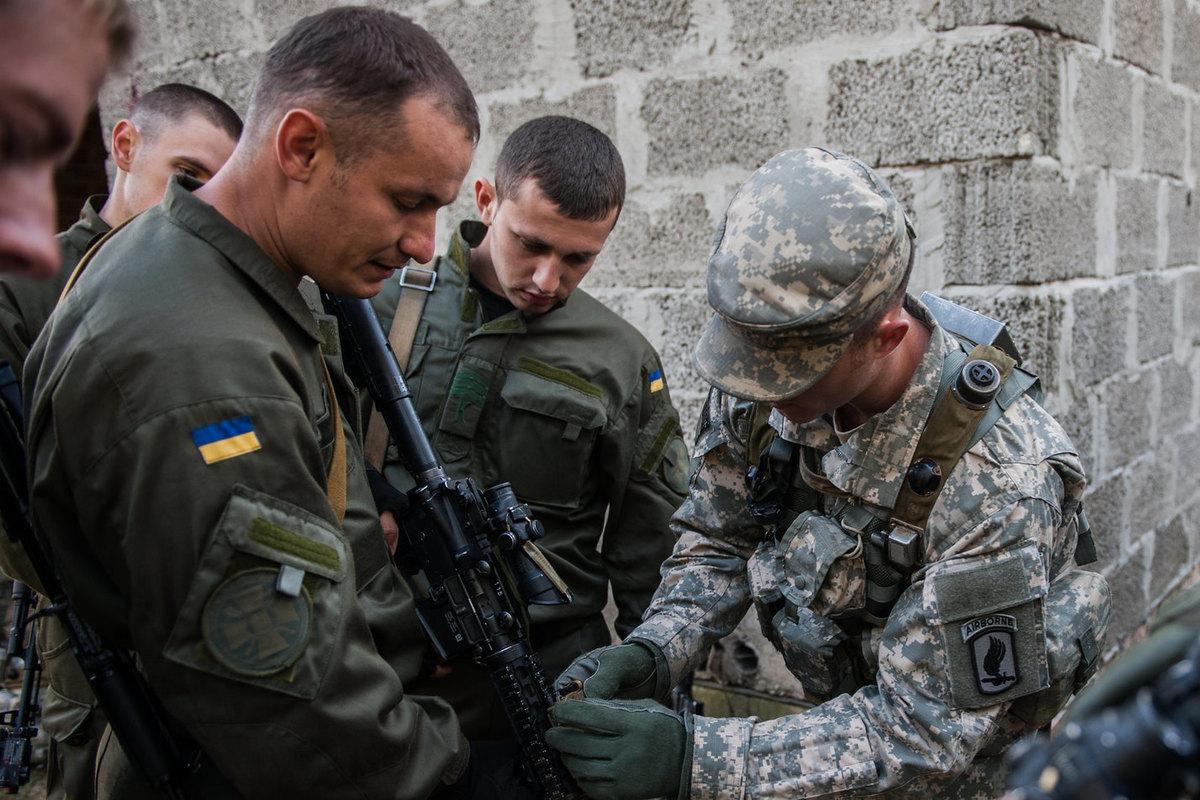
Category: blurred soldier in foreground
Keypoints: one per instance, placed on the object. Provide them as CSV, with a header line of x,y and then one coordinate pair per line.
x,y
1135,731
518,375
194,462
174,129
901,515
53,56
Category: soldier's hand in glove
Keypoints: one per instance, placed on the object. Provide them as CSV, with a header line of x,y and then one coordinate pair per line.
x,y
629,670
493,773
623,749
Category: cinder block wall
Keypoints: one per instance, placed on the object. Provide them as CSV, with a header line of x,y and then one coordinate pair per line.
x,y
1048,150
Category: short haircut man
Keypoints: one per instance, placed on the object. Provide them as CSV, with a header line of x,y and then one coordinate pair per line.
x,y
534,382
189,349
53,56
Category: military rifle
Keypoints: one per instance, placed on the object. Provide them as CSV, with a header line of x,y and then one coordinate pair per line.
x,y
119,687
18,726
469,555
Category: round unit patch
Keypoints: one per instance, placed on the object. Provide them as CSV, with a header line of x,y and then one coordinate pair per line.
x,y
676,465
252,629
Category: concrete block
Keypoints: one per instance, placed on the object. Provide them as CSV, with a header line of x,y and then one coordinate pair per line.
x,y
611,34
196,30
1079,421
1016,222
1107,505
1171,548
150,49
1164,137
1127,402
1177,394
1185,61
668,247
1137,224
1102,111
236,75
698,123
1127,584
595,105
766,24
1138,33
1077,19
1098,341
901,184
1151,492
1190,289
1155,316
684,315
1036,325
490,43
1189,465
995,97
1183,225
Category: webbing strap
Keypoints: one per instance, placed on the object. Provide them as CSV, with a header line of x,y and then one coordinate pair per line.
x,y
335,481
945,438
400,337
89,255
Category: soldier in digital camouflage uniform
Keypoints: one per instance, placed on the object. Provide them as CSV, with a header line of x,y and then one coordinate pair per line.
x,y
519,376
195,462
172,129
995,625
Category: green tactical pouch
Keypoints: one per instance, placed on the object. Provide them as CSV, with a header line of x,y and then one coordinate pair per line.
x,y
1078,609
269,589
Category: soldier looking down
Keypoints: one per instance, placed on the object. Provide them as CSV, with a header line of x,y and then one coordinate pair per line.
x,y
519,375
906,531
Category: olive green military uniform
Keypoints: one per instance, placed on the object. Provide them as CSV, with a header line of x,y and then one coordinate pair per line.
x,y
572,408
69,712
183,448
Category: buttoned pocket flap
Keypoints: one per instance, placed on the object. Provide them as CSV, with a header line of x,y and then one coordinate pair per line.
x,y
538,395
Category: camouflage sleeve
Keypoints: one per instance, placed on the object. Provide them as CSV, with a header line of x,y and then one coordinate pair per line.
x,y
704,591
646,460
942,686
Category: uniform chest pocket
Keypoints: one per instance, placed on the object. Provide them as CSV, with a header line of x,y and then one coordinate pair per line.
x,y
823,565
990,618
268,595
548,433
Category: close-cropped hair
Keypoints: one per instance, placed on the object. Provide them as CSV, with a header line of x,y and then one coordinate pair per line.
x,y
355,66
575,166
171,103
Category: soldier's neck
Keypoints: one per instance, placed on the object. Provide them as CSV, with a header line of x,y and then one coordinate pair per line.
x,y
896,371
236,194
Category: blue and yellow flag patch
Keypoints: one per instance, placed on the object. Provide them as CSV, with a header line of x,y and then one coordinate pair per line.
x,y
226,439
656,381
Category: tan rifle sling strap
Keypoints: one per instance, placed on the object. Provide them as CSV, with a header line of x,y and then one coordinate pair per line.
x,y
417,283
971,397
336,479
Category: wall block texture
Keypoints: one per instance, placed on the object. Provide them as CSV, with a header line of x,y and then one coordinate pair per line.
x,y
1048,151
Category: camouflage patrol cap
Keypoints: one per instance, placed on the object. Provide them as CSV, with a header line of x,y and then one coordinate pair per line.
x,y
812,246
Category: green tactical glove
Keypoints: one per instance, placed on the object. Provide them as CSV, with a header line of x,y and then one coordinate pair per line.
x,y
623,749
631,670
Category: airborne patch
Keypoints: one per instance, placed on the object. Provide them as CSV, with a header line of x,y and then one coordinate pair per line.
x,y
992,641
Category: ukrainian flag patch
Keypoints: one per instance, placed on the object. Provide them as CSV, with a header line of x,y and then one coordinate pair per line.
x,y
226,439
656,381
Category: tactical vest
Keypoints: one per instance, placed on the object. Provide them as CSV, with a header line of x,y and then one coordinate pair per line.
x,y
979,381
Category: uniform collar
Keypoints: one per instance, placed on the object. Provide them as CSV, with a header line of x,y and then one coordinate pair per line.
x,y
90,224
192,213
872,462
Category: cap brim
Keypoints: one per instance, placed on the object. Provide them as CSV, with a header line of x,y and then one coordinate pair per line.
x,y
739,366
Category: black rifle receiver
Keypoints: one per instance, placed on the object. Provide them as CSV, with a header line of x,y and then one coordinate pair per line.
x,y
18,726
468,554
112,675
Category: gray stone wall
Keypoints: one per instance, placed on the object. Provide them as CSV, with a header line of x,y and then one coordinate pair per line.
x,y
1048,150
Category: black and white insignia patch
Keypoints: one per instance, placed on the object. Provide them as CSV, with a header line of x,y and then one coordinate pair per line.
x,y
992,641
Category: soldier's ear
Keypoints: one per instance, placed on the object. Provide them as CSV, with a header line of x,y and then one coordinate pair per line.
x,y
487,200
890,333
125,138
301,143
